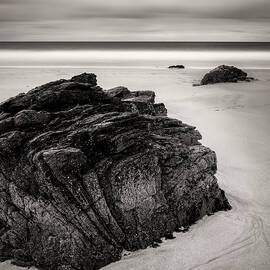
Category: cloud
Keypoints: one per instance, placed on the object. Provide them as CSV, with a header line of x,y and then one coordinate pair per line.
x,y
129,19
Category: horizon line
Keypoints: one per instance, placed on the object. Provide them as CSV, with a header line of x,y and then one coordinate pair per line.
x,y
126,41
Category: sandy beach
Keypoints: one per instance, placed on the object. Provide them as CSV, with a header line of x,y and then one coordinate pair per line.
x,y
233,119
144,142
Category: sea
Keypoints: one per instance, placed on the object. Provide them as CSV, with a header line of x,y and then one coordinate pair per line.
x,y
134,54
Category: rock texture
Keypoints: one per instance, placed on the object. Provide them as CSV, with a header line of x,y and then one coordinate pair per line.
x,y
225,74
177,66
86,173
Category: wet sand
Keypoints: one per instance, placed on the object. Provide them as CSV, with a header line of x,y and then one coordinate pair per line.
x,y
234,121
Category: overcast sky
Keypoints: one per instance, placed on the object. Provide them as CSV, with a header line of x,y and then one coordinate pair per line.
x,y
173,20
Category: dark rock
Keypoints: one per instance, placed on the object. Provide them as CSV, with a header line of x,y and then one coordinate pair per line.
x,y
224,74
160,109
4,116
159,241
55,96
119,92
86,173
155,245
88,78
177,66
182,229
140,101
141,96
6,125
249,79
169,236
22,263
136,96
26,118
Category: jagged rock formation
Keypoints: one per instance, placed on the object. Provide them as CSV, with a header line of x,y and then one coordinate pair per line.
x,y
177,66
86,173
225,74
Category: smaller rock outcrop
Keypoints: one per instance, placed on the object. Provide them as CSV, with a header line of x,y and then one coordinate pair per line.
x,y
177,66
225,73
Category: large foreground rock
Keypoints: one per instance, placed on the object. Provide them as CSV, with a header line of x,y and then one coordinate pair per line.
x,y
225,74
86,173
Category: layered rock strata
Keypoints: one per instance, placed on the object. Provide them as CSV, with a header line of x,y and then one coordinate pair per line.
x,y
87,172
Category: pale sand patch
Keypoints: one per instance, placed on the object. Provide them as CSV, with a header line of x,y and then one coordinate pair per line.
x,y
234,121
8,266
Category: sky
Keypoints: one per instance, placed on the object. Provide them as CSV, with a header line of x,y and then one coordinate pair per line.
x,y
134,20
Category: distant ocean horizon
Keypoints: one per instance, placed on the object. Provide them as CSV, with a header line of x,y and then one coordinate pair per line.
x,y
135,45
134,54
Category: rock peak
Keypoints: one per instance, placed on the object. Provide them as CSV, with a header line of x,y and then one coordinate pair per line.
x,y
88,78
